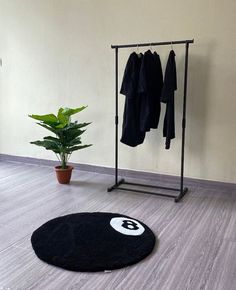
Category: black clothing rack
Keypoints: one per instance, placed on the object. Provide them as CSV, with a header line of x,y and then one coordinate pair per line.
x,y
181,190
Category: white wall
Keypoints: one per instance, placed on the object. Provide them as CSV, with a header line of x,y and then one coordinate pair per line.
x,y
57,53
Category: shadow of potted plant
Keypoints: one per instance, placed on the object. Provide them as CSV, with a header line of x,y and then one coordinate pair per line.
x,y
67,139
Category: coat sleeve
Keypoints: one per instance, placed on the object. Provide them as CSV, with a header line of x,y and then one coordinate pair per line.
x,y
127,86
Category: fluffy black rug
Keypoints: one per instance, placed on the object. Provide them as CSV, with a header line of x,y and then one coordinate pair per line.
x,y
92,242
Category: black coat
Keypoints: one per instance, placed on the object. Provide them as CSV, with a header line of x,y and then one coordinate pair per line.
x,y
131,133
167,96
150,87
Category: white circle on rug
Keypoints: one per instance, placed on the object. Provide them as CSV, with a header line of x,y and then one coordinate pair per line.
x,y
127,226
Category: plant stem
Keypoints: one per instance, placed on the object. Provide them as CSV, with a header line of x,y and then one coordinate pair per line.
x,y
63,160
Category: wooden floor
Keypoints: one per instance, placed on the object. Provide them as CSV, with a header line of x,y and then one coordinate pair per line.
x,y
196,238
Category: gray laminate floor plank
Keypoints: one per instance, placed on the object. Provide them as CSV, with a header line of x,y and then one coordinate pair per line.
x,y
223,274
196,244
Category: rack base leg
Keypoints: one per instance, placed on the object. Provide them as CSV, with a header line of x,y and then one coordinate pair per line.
x,y
181,195
115,185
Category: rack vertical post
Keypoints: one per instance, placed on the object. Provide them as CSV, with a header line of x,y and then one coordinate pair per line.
x,y
116,117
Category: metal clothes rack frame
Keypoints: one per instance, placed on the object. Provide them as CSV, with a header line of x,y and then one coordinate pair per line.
x,y
181,190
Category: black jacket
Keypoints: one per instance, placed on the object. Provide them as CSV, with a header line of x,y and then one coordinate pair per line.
x,y
150,87
131,133
167,96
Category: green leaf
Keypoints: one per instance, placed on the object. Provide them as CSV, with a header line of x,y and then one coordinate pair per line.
x,y
75,141
75,125
50,138
71,134
52,129
81,125
75,133
60,126
74,148
69,112
56,141
48,119
49,145
63,119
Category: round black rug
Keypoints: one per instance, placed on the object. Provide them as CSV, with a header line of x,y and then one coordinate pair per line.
x,y
90,242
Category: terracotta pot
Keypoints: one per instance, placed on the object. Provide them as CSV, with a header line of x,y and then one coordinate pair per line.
x,y
63,175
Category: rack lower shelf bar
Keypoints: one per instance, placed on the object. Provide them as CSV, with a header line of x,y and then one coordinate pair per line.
x,y
122,181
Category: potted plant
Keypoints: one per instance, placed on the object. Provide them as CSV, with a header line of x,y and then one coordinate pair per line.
x,y
67,140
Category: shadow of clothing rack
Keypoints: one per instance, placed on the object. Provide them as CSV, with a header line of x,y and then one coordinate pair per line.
x,y
118,183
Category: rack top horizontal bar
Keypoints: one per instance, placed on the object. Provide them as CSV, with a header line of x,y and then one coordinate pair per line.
x,y
153,43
